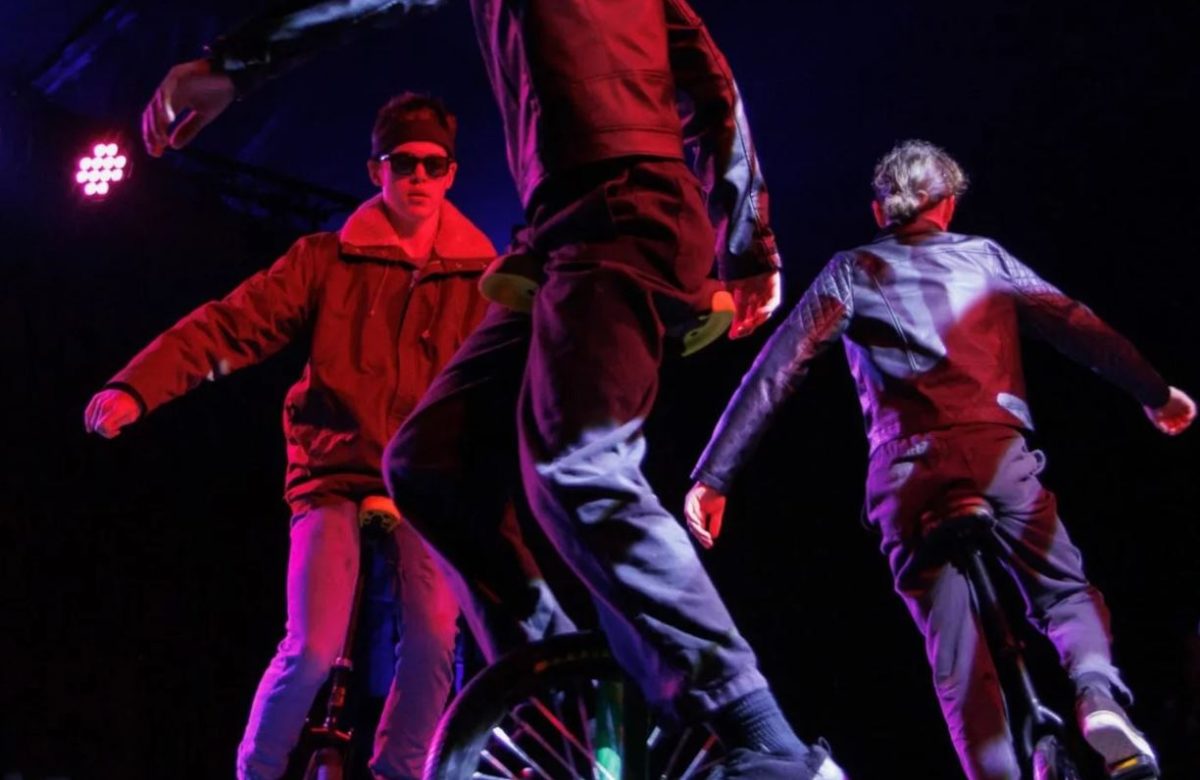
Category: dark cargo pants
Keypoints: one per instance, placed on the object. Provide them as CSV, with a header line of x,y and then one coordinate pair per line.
x,y
573,385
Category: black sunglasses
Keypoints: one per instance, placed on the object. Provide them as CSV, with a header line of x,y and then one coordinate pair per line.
x,y
404,164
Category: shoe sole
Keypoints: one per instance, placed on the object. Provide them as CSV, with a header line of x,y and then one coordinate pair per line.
x,y
512,291
1126,753
516,292
829,771
711,326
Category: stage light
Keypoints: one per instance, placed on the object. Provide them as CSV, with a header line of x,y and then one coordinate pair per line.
x,y
96,173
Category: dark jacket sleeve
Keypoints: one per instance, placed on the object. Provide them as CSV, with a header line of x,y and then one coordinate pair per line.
x,y
1074,330
251,323
289,33
819,319
716,130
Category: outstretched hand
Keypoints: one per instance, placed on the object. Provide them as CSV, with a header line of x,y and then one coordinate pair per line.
x,y
109,411
191,88
755,299
1173,417
704,508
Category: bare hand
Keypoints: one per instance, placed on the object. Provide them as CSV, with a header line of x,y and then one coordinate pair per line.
x,y
1173,417
755,299
704,508
191,87
109,411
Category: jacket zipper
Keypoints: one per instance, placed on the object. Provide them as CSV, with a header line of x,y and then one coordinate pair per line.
x,y
387,269
414,280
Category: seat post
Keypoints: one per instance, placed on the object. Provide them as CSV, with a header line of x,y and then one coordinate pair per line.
x,y
963,528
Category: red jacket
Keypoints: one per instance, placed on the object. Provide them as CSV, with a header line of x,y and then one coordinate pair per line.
x,y
381,326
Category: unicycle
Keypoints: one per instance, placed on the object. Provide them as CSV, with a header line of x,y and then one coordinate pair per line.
x,y
960,530
331,737
562,709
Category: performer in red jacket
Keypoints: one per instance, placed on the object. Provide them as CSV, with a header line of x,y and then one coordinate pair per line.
x,y
388,299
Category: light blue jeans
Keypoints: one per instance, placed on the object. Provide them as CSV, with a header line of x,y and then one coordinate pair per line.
x,y
322,569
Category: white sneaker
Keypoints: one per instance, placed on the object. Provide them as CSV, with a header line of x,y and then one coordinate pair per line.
x,y
1108,730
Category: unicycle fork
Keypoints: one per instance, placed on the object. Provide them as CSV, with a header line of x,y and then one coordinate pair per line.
x,y
331,738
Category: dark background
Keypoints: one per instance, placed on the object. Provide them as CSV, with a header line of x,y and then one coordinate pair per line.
x,y
141,579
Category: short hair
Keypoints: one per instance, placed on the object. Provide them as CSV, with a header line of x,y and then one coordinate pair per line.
x,y
405,108
910,168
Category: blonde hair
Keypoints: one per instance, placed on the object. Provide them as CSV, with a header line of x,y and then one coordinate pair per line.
x,y
910,168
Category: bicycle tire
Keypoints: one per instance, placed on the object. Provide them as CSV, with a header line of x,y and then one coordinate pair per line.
x,y
528,681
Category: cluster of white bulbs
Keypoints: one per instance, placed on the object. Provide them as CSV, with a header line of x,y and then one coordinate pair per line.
x,y
97,173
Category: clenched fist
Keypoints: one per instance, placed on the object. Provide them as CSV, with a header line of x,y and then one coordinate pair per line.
x,y
109,411
1173,417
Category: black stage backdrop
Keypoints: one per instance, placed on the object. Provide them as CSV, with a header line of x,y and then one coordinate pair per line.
x,y
141,580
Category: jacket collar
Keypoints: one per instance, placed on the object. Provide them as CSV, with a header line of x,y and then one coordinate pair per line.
x,y
458,243
909,232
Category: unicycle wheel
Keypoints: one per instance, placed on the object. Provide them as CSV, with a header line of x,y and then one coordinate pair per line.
x,y
561,709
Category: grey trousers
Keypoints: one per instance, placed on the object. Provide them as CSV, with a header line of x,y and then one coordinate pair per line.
x,y
558,400
905,476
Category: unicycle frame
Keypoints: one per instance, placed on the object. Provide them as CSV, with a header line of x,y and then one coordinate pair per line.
x,y
961,531
331,738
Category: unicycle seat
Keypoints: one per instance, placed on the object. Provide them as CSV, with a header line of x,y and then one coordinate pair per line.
x,y
955,523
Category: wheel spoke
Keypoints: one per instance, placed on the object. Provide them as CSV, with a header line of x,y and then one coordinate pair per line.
x,y
584,720
566,761
495,762
675,754
566,732
655,736
541,734
507,741
698,761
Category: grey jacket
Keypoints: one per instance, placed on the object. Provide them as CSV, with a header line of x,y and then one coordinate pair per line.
x,y
929,321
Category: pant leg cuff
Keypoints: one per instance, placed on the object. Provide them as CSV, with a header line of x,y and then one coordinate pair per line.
x,y
700,704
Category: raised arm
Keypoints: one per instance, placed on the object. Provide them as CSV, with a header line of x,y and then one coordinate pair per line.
x,y
253,322
717,133
259,49
1075,330
819,319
